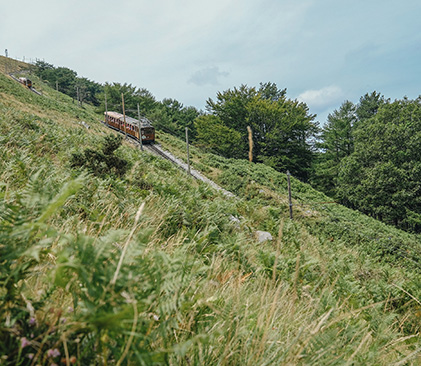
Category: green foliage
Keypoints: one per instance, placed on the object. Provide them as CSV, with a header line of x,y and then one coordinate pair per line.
x,y
382,176
214,135
369,105
132,98
282,129
172,117
103,162
67,82
153,268
337,142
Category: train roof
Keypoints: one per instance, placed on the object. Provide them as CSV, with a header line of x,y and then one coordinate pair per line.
x,y
144,122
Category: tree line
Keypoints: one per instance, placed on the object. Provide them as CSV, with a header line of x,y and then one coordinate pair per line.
x,y
366,156
370,159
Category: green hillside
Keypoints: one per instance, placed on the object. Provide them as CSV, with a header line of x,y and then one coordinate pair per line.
x,y
154,268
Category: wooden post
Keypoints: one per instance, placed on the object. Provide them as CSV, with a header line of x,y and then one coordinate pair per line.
x,y
140,128
188,153
289,194
124,115
250,143
56,85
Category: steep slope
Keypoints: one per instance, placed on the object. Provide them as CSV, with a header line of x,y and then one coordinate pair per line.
x,y
152,268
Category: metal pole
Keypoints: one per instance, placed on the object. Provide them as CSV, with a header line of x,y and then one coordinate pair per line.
x,y
140,128
106,108
289,194
188,153
6,61
124,115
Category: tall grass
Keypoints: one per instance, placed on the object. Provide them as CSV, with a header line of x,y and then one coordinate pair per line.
x,y
150,269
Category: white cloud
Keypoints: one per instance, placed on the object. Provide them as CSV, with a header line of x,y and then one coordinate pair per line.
x,y
322,97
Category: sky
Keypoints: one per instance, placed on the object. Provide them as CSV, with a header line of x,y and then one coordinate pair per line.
x,y
322,51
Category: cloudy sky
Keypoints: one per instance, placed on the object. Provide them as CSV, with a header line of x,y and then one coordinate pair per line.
x,y
323,51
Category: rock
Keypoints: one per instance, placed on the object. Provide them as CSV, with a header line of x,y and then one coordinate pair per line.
x,y
263,236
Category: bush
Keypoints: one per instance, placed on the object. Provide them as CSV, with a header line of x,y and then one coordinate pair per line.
x,y
104,162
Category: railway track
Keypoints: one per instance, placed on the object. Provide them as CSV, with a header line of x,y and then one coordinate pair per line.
x,y
32,89
157,150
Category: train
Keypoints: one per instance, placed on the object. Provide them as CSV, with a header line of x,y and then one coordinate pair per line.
x,y
131,127
26,82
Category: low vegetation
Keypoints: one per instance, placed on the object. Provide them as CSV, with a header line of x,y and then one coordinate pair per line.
x,y
149,267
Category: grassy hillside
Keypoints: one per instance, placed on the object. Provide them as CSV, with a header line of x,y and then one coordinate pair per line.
x,y
156,268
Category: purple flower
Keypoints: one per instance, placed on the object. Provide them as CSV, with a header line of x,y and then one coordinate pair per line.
x,y
30,356
24,342
32,321
53,352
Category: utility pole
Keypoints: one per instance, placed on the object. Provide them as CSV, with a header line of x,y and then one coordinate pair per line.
x,y
188,153
124,115
289,194
106,109
5,64
140,128
56,85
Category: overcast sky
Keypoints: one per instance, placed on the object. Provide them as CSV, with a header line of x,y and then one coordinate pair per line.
x,y
323,51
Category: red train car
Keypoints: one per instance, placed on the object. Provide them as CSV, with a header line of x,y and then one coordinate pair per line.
x,y
131,127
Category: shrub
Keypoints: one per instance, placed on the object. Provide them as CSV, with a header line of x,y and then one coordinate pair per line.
x,y
103,162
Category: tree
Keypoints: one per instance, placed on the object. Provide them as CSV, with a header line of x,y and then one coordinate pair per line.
x,y
337,142
369,105
271,92
172,117
88,91
132,97
214,135
381,177
67,82
282,128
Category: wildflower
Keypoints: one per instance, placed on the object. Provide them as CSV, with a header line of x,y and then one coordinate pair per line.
x,y
30,356
24,342
32,321
53,352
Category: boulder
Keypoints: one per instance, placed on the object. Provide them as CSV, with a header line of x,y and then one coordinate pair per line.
x,y
263,236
